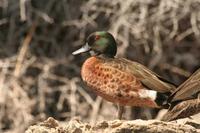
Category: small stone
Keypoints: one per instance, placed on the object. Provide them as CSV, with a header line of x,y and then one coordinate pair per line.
x,y
102,125
50,122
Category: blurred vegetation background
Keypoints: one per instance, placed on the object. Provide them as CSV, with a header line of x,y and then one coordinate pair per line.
x,y
40,78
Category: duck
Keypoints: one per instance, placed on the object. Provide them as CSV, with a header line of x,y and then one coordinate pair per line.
x,y
185,100
119,80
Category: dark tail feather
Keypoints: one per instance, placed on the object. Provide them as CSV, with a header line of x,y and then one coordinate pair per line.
x,y
167,81
162,98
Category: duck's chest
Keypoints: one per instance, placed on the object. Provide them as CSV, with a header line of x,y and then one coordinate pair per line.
x,y
90,70
103,74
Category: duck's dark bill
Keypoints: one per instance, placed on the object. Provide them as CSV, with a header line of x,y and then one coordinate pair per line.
x,y
83,49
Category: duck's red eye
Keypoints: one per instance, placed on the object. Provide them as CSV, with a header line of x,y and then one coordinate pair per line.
x,y
97,37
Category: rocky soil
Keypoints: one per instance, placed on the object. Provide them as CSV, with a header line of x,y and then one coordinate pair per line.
x,y
116,126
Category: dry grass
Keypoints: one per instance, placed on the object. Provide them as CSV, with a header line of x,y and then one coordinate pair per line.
x,y
39,77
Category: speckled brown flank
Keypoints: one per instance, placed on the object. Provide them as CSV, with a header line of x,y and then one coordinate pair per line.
x,y
113,83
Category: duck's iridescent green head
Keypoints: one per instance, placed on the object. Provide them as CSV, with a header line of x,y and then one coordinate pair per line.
x,y
99,43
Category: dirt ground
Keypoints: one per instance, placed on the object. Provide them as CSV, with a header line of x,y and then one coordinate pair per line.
x,y
117,126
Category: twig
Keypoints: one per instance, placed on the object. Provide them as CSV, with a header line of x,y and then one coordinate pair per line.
x,y
3,21
73,100
96,108
23,10
23,51
176,70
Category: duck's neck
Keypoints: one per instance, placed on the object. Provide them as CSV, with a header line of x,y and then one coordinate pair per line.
x,y
92,53
105,56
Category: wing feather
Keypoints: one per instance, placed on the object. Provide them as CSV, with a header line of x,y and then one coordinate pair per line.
x,y
189,89
147,77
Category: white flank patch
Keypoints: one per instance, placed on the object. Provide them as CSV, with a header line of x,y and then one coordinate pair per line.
x,y
148,94
152,94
